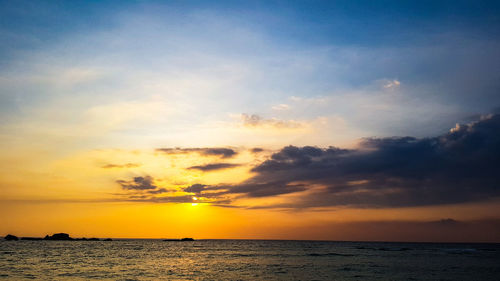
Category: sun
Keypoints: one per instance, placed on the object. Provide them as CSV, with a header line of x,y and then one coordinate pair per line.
x,y
195,199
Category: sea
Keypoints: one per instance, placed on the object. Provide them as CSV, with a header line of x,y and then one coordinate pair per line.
x,y
246,260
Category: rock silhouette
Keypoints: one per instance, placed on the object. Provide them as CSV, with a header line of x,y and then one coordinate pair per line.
x,y
180,240
58,236
11,237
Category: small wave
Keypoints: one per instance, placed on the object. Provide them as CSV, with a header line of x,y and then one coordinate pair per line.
x,y
394,249
67,274
243,255
329,255
487,250
460,251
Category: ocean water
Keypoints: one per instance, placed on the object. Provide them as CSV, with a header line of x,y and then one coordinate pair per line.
x,y
246,260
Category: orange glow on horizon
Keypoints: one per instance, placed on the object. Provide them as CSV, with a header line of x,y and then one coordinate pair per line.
x,y
70,193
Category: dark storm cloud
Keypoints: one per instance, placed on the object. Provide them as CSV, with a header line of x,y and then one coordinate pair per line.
x,y
138,183
459,166
207,151
214,167
266,188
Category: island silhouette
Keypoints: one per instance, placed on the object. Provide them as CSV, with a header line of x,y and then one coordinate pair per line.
x,y
65,237
57,236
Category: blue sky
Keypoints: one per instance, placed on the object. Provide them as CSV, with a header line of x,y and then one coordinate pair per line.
x,y
443,54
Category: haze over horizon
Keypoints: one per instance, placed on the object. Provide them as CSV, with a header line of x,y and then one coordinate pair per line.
x,y
334,120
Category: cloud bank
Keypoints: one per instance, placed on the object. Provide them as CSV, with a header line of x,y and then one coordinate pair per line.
x,y
456,167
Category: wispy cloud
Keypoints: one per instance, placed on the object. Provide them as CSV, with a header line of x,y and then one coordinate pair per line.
x,y
121,166
391,84
143,187
221,152
257,150
254,120
138,183
281,106
214,167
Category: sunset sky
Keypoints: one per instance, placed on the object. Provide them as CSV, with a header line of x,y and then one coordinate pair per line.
x,y
331,120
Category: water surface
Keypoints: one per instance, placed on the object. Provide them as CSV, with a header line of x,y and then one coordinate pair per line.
x,y
246,260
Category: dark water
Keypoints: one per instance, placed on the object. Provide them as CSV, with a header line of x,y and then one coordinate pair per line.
x,y
246,260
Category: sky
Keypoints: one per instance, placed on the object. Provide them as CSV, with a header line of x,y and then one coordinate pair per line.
x,y
321,120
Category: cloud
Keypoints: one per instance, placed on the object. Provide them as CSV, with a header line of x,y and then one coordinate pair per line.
x,y
210,151
214,200
195,188
447,221
458,166
266,188
482,230
141,188
121,166
256,150
138,183
281,106
158,191
254,120
389,84
214,167
165,199
248,189
309,100
200,189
